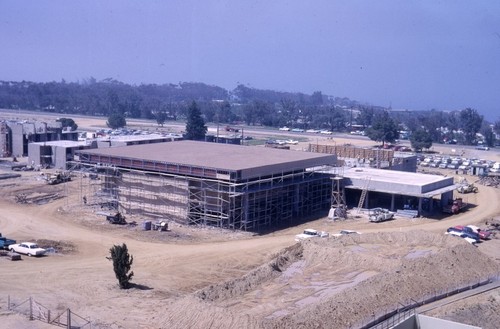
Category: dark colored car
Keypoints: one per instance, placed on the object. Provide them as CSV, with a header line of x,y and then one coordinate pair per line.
x,y
467,231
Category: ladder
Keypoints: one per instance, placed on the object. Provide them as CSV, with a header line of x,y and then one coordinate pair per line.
x,y
363,194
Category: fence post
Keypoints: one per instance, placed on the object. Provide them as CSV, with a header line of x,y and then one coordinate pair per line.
x,y
48,316
31,308
8,302
69,319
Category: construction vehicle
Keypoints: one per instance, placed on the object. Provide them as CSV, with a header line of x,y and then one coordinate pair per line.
x,y
454,206
118,218
467,188
58,177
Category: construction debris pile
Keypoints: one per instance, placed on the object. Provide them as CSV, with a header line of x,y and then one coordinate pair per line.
x,y
493,181
37,198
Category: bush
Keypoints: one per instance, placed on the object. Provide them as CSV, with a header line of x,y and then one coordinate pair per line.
x,y
122,262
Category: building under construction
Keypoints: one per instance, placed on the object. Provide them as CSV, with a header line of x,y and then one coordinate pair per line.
x,y
231,186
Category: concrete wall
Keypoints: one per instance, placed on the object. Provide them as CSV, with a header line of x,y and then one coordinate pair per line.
x,y
420,321
59,157
4,140
17,138
446,181
34,154
394,187
404,162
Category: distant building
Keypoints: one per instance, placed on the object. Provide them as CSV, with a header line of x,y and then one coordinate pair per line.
x,y
59,153
16,135
56,153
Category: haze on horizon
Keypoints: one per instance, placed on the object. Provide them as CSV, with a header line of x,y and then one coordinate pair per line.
x,y
415,55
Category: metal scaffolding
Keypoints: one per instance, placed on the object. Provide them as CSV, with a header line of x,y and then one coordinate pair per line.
x,y
251,204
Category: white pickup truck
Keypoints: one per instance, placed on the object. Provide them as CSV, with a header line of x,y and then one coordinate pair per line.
x,y
311,233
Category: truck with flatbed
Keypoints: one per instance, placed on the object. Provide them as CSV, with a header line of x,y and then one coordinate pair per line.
x,y
455,206
6,242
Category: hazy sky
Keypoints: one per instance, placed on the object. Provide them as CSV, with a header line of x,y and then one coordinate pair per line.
x,y
407,54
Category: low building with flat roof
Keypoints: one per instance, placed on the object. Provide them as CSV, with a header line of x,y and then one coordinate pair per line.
x,y
127,140
397,189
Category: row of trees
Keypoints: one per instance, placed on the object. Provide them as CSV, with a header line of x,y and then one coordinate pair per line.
x,y
119,101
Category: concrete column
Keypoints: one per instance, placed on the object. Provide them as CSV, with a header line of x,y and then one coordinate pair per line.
x,y
419,206
392,202
366,199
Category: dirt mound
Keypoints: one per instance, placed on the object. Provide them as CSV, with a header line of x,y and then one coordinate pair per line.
x,y
338,283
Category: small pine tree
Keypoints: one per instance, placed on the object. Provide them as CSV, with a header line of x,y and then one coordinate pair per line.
x,y
122,262
195,125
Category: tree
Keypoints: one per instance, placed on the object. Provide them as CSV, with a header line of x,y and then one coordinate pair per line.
x,y
420,139
224,113
116,120
122,262
336,119
489,135
195,125
365,116
496,127
67,122
383,129
161,117
470,122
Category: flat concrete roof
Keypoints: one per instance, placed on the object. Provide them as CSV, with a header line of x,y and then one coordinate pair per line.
x,y
136,138
398,182
250,161
63,143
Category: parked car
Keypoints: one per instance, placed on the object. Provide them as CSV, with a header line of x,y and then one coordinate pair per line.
x,y
461,235
482,147
380,215
27,248
484,235
465,232
311,233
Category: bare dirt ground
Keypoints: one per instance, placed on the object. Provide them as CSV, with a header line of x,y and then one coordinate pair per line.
x,y
209,278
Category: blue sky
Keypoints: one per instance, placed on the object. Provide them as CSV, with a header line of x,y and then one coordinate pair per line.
x,y
407,54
